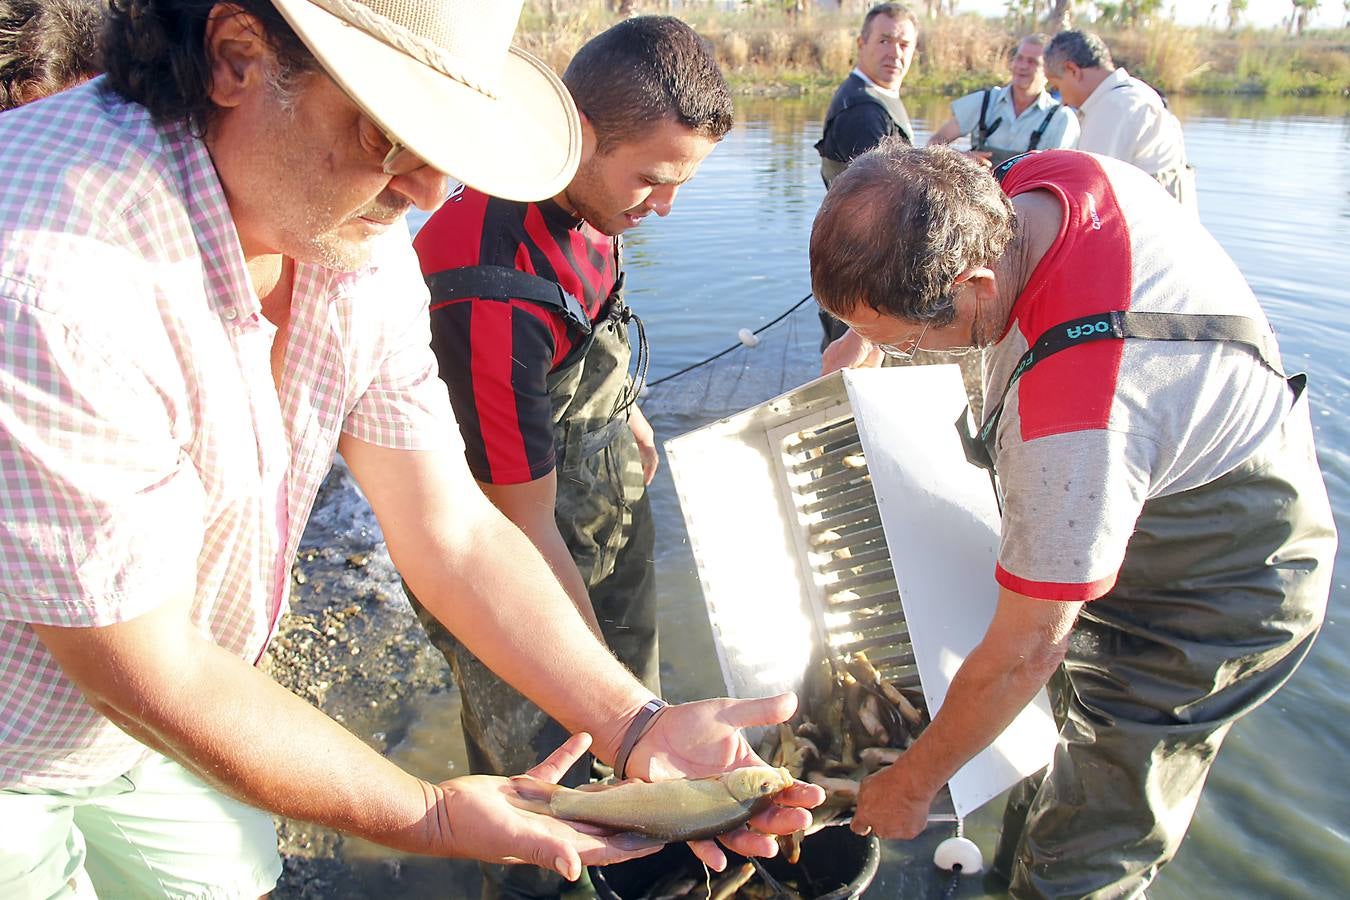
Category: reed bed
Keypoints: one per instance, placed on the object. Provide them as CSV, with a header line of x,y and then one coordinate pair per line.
x,y
768,50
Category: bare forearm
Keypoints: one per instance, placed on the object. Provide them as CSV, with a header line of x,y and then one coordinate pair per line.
x,y
554,550
245,734
493,591
483,579
949,132
987,693
531,508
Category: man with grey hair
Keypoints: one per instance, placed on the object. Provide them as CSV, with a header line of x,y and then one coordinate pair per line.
x,y
1020,116
1167,542
1119,115
867,106
207,288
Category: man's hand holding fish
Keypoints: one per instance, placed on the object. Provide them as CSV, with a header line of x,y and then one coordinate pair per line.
x,y
516,834
704,738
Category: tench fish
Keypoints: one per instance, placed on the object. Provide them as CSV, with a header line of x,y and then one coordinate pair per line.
x,y
679,810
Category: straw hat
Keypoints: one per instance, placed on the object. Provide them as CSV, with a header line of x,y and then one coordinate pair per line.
x,y
442,77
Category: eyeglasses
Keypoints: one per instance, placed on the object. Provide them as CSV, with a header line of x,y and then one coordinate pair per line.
x,y
904,352
399,159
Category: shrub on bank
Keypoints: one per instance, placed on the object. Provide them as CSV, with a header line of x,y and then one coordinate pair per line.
x,y
772,50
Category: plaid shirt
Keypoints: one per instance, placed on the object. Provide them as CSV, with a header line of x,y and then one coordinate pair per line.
x,y
146,455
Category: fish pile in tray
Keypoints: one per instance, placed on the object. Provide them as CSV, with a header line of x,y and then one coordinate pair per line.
x,y
852,722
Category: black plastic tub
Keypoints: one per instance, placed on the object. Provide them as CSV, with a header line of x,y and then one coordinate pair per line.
x,y
835,864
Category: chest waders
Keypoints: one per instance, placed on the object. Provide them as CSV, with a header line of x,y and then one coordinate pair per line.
x,y
999,155
1221,593
856,92
604,517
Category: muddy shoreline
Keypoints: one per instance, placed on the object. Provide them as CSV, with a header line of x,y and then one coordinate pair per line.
x,y
351,646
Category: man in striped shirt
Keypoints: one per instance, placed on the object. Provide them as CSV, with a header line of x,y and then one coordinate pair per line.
x,y
530,327
206,288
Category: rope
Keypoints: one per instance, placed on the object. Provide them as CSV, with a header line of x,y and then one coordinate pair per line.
x,y
716,356
950,891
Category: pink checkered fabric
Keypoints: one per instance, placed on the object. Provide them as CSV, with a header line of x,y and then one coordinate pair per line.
x,y
146,456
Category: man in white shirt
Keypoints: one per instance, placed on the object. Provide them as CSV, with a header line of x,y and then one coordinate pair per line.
x,y
1120,115
1006,121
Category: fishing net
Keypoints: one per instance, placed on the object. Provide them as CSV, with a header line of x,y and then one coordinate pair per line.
x,y
774,358
761,364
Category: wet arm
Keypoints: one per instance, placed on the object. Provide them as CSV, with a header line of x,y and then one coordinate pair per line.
x,y
482,578
1025,643
950,131
164,684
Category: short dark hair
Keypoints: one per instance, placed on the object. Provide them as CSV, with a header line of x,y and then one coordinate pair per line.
x,y
46,46
897,11
1082,48
899,225
155,53
645,70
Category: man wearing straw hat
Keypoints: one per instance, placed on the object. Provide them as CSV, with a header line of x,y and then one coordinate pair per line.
x,y
206,288
529,323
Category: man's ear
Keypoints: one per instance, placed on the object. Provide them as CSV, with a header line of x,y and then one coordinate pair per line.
x,y
239,54
982,280
589,141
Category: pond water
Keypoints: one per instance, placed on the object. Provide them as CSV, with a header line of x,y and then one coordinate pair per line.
x,y
1274,188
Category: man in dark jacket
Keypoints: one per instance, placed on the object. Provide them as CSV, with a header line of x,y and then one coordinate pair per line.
x,y
867,106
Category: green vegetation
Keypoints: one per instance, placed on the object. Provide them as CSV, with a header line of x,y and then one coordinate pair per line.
x,y
784,47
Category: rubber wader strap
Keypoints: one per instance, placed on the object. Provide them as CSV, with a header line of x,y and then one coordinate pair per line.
x,y
1040,132
504,283
1119,325
983,132
641,724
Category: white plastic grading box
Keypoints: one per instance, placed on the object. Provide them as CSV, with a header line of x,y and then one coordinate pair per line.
x,y
843,516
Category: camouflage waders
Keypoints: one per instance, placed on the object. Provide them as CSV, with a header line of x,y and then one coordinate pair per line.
x,y
1220,596
604,516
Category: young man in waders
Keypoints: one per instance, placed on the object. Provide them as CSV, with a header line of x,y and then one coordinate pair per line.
x,y
1020,116
531,329
1167,542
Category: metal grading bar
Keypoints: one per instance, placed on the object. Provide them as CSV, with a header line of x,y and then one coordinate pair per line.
x,y
861,607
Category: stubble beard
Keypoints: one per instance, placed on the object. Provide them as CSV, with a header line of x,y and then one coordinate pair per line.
x,y
324,245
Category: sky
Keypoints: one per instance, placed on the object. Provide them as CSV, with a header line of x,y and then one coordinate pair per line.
x,y
1264,13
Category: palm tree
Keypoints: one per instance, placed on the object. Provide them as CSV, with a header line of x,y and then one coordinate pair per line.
x,y
1302,9
1061,15
1235,10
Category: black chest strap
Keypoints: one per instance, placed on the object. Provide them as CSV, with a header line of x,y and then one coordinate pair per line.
x,y
984,130
505,283
1118,326
1040,132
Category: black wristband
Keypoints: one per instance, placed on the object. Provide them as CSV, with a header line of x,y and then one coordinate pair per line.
x,y
641,724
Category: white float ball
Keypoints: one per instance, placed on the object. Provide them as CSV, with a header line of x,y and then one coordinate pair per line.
x,y
748,337
958,851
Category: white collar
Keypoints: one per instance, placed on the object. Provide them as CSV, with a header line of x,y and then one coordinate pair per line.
x,y
1112,81
889,92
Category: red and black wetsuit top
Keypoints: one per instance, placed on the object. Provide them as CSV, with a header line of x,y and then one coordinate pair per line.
x,y
496,354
